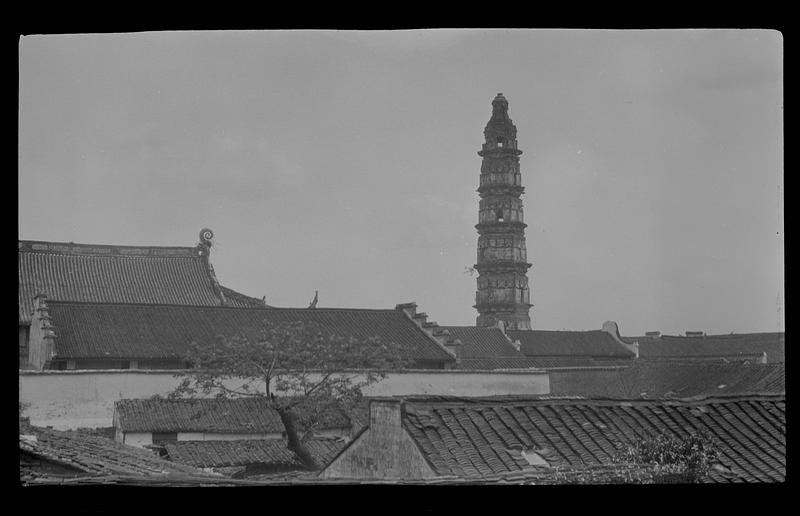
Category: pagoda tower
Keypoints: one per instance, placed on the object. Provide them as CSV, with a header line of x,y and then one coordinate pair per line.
x,y
503,293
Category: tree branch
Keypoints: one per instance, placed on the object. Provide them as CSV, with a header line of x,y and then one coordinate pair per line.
x,y
320,383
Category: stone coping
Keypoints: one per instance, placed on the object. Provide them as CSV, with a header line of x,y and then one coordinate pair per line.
x,y
23,372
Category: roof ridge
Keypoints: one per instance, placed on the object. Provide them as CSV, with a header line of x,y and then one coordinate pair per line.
x,y
556,331
715,335
231,293
51,300
510,398
470,327
73,248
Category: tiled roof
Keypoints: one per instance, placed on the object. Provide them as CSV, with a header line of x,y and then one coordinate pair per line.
x,y
546,343
482,437
93,454
117,274
488,349
579,361
88,330
593,474
480,342
732,346
215,415
681,380
492,363
272,452
237,299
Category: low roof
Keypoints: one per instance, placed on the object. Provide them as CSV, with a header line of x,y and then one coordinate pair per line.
x,y
548,363
479,342
138,331
94,454
119,274
493,363
733,345
271,452
488,348
590,474
483,437
666,379
593,343
213,415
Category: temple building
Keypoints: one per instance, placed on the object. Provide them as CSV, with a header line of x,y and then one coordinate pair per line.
x,y
503,293
94,273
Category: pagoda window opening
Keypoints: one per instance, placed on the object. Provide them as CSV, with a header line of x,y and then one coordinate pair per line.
x,y
499,215
500,142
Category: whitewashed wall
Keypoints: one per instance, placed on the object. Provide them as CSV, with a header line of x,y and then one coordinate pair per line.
x,y
141,439
72,399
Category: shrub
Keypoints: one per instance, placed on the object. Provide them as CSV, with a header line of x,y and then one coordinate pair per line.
x,y
687,458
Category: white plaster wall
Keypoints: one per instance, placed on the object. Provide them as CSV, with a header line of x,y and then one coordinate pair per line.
x,y
138,439
384,450
460,383
71,399
208,436
191,436
333,432
141,439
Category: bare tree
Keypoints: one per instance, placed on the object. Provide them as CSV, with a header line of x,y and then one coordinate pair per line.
x,y
300,370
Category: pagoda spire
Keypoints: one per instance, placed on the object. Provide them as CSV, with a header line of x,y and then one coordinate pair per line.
x,y
503,293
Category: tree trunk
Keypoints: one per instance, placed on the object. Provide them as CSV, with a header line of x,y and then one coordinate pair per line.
x,y
289,420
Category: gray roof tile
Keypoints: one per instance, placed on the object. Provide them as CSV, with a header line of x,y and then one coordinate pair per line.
x,y
117,274
213,415
92,330
270,452
93,454
479,434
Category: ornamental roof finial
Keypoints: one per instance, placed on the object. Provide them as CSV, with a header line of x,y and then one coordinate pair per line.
x,y
206,237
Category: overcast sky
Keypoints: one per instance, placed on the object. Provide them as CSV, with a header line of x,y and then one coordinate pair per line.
x,y
345,162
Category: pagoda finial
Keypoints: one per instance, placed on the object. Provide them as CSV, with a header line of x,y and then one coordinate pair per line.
x,y
500,103
500,131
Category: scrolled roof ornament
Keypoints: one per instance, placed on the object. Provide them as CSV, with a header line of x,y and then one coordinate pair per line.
x,y
206,235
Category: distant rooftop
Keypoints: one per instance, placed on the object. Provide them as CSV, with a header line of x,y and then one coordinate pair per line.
x,y
109,330
727,345
552,343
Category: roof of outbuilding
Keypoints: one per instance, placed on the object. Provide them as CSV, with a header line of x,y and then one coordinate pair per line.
x,y
484,437
579,361
214,415
550,343
271,452
731,346
681,380
480,342
666,379
589,474
93,454
494,363
118,274
548,363
92,330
